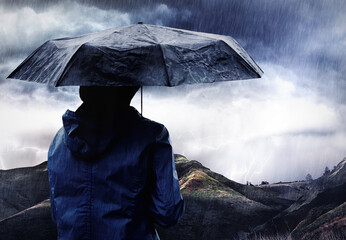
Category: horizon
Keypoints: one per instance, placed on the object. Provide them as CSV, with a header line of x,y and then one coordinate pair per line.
x,y
287,124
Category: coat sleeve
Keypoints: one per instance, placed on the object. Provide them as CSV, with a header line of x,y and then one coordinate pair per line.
x,y
52,148
166,204
52,206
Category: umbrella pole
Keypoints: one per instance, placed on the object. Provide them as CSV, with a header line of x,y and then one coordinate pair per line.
x,y
142,101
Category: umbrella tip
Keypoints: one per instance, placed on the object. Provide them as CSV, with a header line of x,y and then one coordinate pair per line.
x,y
140,23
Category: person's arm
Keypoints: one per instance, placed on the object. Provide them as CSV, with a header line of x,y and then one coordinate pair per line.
x,y
52,147
166,202
52,206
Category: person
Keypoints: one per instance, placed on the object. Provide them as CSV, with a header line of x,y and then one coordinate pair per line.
x,y
111,171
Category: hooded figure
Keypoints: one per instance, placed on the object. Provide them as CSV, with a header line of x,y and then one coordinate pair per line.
x,y
111,171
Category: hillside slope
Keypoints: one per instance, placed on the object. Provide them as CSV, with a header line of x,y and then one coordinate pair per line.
x,y
216,207
22,188
317,214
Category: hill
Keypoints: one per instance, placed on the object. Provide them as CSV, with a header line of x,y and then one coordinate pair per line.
x,y
22,188
216,207
318,213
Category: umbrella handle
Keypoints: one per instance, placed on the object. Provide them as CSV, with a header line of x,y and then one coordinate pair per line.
x,y
142,101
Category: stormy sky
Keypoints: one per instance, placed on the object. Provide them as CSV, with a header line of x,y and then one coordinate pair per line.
x,y
278,128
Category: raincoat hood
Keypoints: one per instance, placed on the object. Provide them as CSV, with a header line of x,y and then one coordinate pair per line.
x,y
87,138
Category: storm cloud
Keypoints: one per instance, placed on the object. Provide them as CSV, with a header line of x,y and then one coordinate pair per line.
x,y
280,127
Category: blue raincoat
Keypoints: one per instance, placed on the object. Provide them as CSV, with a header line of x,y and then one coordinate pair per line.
x,y
112,184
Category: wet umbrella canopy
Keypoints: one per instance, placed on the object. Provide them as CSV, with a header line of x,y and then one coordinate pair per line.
x,y
138,55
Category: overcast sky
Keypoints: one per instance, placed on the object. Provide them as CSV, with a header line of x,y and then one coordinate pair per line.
x,y
278,128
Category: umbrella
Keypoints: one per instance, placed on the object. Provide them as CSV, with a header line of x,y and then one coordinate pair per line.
x,y
138,55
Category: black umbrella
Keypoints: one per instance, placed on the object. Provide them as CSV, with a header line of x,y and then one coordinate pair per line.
x,y
138,55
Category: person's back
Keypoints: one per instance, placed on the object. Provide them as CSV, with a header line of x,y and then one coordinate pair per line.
x,y
112,176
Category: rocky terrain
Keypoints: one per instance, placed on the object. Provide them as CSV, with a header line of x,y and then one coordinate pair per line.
x,y
216,207
319,213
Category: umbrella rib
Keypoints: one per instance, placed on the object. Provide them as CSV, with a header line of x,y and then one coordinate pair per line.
x,y
163,57
25,61
184,31
165,65
255,67
66,66
259,68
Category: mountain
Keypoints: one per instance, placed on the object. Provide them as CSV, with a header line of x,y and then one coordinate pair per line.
x,y
216,207
318,214
22,188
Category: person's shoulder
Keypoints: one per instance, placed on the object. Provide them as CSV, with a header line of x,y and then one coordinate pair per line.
x,y
152,124
59,135
57,140
153,128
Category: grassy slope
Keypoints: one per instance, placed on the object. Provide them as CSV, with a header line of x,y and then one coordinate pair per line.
x,y
199,180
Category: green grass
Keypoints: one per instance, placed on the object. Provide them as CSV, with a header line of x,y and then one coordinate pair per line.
x,y
197,183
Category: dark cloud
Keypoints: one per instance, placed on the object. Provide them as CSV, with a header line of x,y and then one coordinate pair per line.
x,y
36,4
305,35
278,24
